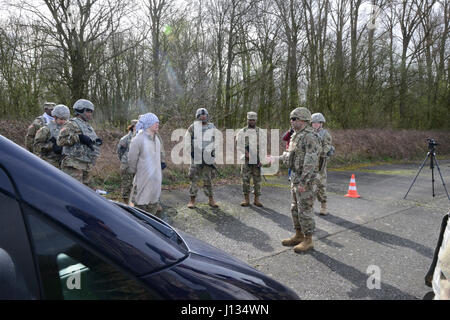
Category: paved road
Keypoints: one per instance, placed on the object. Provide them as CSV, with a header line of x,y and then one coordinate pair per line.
x,y
380,229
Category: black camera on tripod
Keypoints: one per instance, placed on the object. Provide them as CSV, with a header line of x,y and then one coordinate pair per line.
x,y
431,144
432,155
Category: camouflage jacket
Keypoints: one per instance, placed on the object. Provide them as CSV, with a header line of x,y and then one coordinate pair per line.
x,y
38,123
303,155
245,133
42,144
70,141
206,142
123,147
326,140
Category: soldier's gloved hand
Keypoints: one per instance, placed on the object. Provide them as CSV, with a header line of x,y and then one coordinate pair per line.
x,y
57,149
163,165
331,152
85,140
52,140
99,141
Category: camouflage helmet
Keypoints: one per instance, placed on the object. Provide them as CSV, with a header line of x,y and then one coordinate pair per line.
x,y
301,113
252,115
61,111
48,105
82,104
317,117
201,111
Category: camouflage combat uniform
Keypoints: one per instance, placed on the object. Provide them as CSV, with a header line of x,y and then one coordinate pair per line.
x,y
78,159
38,123
44,147
321,175
126,177
250,170
303,154
200,171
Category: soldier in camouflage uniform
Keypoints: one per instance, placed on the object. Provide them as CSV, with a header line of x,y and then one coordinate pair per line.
x,y
81,145
252,167
122,151
201,165
317,120
302,158
38,123
45,141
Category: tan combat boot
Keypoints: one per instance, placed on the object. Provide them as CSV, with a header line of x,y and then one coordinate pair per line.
x,y
246,201
305,245
323,209
256,202
212,203
191,203
296,239
159,208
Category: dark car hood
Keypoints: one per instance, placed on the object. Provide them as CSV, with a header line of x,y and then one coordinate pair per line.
x,y
107,228
201,248
233,278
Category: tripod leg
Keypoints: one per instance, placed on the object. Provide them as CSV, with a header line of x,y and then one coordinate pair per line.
x,y
432,172
443,183
421,167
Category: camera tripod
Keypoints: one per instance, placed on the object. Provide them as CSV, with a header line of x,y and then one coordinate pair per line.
x,y
432,155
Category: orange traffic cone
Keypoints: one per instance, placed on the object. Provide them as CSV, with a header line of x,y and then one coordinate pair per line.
x,y
352,193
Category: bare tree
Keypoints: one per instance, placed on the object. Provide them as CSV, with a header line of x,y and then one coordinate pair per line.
x,y
78,31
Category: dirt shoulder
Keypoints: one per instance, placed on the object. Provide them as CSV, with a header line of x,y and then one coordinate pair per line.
x,y
354,148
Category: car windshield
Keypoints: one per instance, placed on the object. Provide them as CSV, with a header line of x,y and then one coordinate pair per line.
x,y
154,223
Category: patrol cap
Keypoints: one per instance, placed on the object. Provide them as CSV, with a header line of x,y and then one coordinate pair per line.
x,y
252,115
61,111
317,117
132,124
49,105
83,104
301,113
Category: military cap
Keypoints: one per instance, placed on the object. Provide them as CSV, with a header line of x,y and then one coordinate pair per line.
x,y
49,105
252,115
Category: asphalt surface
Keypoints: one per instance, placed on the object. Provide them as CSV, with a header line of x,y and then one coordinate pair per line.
x,y
377,234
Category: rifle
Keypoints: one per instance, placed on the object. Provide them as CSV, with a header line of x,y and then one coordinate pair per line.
x,y
215,168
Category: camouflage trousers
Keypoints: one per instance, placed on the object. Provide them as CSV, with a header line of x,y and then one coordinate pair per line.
x,y
248,172
81,175
150,207
302,209
321,185
126,183
199,172
54,162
